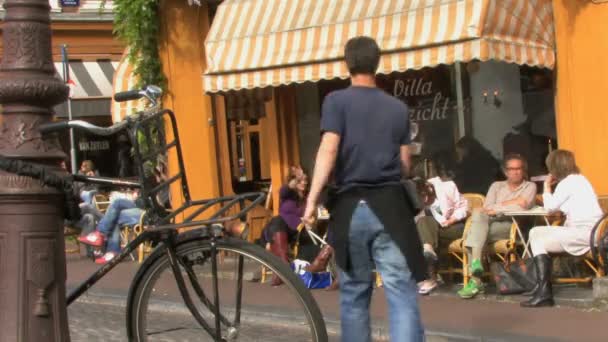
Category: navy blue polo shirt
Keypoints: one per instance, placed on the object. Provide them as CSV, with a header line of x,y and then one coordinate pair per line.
x,y
372,126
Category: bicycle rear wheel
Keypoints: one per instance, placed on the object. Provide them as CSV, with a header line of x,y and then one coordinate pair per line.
x,y
249,310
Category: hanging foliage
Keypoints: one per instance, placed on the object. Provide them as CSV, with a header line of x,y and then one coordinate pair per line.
x,y
137,24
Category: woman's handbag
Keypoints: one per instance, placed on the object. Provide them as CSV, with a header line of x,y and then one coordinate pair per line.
x,y
514,277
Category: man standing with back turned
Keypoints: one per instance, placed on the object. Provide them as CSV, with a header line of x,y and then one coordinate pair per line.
x,y
365,143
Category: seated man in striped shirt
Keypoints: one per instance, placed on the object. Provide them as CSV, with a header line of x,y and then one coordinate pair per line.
x,y
516,193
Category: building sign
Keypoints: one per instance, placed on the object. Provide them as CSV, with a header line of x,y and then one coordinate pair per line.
x,y
432,105
100,145
70,3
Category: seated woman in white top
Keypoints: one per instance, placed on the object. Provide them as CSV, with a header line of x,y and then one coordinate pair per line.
x,y
575,197
442,219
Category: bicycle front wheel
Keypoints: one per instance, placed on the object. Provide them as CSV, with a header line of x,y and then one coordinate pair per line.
x,y
249,309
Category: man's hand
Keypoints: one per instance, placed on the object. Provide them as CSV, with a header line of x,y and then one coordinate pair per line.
x,y
309,214
490,212
326,159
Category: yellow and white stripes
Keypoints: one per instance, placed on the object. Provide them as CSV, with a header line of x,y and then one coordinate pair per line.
x,y
259,43
124,80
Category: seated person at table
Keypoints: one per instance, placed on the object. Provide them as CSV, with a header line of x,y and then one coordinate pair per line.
x,y
442,218
125,209
86,191
575,197
121,211
282,229
516,193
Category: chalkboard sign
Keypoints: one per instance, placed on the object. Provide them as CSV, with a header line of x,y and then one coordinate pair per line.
x,y
70,3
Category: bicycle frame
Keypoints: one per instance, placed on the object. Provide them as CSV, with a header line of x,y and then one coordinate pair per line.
x,y
163,230
166,232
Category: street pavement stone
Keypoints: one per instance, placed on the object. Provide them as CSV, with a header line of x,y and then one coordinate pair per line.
x,y
99,322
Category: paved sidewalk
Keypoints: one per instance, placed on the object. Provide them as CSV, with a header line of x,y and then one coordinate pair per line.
x,y
446,317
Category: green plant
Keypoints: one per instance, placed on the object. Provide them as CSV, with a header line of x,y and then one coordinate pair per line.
x,y
137,23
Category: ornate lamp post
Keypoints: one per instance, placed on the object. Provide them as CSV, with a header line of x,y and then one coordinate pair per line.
x,y
32,257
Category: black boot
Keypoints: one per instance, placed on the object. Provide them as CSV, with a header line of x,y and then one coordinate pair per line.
x,y
280,248
544,293
532,291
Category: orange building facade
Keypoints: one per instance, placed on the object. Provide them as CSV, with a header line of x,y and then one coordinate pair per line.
x,y
218,142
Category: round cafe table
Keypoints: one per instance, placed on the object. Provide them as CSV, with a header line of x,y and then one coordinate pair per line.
x,y
534,212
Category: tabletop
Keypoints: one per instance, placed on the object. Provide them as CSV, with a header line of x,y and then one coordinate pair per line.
x,y
535,211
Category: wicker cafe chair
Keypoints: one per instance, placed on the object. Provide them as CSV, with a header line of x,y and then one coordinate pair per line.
x,y
128,233
101,202
258,218
596,266
456,249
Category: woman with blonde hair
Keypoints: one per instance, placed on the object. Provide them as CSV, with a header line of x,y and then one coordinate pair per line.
x,y
575,197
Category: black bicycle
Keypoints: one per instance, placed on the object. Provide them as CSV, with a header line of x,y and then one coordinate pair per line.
x,y
183,291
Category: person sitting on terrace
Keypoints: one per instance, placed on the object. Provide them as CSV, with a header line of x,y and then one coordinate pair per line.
x,y
282,229
574,196
443,217
125,210
516,193
86,191
121,211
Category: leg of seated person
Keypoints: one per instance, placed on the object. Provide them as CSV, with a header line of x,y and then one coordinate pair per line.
x,y
129,216
452,232
543,241
125,217
90,209
499,230
110,219
428,230
87,196
474,242
86,223
478,233
114,241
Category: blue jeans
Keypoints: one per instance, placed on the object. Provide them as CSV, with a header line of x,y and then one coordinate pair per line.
x,y
87,196
120,212
370,244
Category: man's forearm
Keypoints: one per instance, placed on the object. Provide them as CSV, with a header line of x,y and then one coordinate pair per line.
x,y
324,164
405,160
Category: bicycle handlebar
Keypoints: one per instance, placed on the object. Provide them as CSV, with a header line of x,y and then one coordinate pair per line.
x,y
84,126
128,95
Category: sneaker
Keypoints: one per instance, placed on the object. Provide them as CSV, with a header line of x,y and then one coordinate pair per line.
x,y
472,289
105,258
476,268
95,239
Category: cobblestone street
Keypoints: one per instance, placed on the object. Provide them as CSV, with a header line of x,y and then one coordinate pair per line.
x,y
99,322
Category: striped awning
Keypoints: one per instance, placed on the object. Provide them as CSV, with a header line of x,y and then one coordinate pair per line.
x,y
260,43
124,80
90,79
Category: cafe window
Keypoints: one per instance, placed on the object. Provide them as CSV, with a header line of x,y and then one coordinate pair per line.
x,y
431,99
249,156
